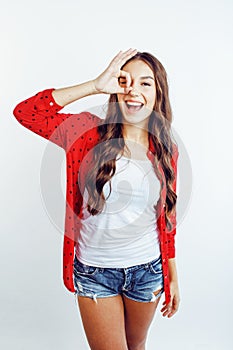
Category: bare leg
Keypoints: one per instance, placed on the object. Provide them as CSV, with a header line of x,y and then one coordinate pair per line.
x,y
138,317
104,322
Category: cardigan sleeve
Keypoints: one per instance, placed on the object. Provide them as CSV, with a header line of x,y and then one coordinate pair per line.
x,y
171,234
39,114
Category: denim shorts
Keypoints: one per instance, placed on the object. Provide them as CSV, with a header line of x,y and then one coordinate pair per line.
x,y
136,282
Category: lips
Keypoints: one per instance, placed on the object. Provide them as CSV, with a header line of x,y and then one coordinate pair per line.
x,y
133,106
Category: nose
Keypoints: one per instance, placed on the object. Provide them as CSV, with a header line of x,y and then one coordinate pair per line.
x,y
134,92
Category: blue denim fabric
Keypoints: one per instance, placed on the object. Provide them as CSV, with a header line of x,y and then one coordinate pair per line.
x,y
136,282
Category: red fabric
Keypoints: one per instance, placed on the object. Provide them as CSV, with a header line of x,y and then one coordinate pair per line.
x,y
77,134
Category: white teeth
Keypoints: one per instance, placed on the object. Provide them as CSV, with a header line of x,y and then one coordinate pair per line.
x,y
134,103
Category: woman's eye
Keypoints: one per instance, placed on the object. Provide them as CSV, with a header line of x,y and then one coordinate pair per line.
x,y
123,82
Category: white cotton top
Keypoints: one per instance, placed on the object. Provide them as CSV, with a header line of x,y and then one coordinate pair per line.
x,y
125,233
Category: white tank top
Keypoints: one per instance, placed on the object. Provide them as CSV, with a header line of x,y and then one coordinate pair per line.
x,y
125,233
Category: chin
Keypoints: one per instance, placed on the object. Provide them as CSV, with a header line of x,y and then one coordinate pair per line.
x,y
135,119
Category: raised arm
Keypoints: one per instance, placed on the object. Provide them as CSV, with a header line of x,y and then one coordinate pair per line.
x,y
67,95
39,113
106,83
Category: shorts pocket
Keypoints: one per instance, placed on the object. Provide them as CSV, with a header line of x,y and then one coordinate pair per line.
x,y
83,269
156,266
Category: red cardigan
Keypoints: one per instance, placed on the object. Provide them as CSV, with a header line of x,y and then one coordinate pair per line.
x,y
77,134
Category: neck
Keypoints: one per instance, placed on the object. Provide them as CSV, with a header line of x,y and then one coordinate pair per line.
x,y
136,141
135,134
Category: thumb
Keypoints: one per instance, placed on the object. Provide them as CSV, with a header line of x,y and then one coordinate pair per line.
x,y
123,90
125,77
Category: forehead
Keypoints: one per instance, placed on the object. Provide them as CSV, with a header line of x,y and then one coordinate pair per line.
x,y
137,68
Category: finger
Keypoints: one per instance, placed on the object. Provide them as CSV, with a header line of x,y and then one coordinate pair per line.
x,y
174,308
121,91
127,77
169,305
125,56
165,313
116,58
172,312
128,52
166,308
122,57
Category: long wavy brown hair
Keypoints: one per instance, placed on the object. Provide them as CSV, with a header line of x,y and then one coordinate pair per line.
x,y
112,142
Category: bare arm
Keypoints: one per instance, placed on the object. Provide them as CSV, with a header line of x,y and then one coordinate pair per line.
x,y
67,95
172,269
170,309
107,82
40,113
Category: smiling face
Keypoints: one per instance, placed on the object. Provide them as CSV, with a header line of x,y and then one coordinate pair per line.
x,y
137,105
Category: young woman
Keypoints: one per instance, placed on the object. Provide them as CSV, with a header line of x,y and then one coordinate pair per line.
x,y
120,224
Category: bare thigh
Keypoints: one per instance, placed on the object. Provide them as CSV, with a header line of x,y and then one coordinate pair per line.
x,y
138,317
103,322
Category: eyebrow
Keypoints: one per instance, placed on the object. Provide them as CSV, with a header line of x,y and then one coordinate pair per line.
x,y
144,77
147,77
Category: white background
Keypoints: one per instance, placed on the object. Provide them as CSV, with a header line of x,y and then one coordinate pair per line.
x,y
60,43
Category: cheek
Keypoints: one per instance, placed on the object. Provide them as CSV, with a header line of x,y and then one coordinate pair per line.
x,y
152,99
152,96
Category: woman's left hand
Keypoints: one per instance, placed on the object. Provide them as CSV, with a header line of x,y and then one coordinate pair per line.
x,y
170,309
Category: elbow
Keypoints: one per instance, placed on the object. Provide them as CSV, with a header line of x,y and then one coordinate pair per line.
x,y
17,112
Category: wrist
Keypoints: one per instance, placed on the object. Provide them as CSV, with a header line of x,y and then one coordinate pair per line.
x,y
94,88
